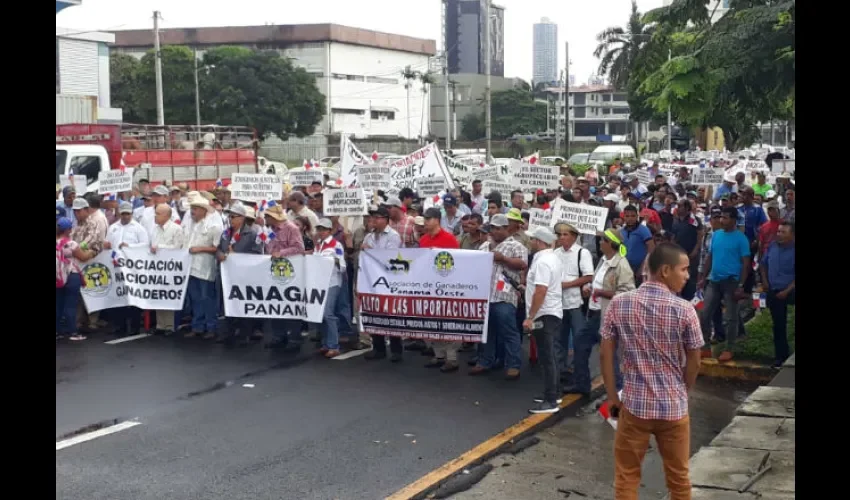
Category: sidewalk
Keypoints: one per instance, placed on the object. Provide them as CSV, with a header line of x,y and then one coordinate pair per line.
x,y
761,436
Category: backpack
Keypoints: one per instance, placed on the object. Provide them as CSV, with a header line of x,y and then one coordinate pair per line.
x,y
63,264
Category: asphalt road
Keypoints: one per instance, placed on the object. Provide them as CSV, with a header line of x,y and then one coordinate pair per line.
x,y
310,428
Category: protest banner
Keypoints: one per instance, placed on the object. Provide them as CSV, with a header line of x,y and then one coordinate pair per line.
x,y
707,176
261,286
487,173
458,170
586,218
643,176
255,187
780,166
530,177
429,186
350,160
425,293
424,162
136,277
344,202
504,188
539,218
80,183
306,177
374,177
114,181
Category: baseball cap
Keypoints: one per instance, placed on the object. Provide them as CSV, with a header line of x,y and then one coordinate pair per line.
x,y
715,211
771,204
433,213
380,212
68,190
80,203
514,214
125,208
60,212
419,220
64,223
393,201
498,220
325,223
449,199
161,191
543,234
612,197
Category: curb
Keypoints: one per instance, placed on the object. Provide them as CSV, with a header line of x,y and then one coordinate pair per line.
x,y
500,443
737,370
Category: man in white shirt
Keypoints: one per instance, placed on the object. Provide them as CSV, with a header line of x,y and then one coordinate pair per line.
x,y
159,196
202,241
544,313
126,233
297,208
166,234
577,264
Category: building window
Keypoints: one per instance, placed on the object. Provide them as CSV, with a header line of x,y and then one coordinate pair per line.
x,y
589,129
579,112
580,99
620,97
621,111
618,128
347,111
606,111
387,115
606,97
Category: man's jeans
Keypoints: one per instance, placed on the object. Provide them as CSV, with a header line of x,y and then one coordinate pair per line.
x,y
285,331
717,292
67,298
502,329
202,297
571,325
585,340
336,319
779,315
545,338
345,328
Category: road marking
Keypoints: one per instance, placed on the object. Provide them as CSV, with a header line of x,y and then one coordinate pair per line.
x,y
128,339
482,451
82,438
352,354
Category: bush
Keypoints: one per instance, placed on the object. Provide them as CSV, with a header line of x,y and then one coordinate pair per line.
x,y
757,345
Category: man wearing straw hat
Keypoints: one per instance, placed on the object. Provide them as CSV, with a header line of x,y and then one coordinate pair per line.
x,y
201,240
283,239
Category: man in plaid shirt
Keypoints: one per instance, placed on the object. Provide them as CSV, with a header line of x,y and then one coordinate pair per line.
x,y
661,337
402,223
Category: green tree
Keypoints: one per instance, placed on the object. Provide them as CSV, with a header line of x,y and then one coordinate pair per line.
x,y
124,86
262,90
619,48
472,126
733,73
514,111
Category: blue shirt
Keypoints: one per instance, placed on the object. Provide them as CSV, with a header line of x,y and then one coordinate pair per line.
x,y
723,189
751,218
727,250
781,265
635,241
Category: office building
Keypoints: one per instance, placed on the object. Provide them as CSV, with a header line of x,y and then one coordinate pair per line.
x,y
545,52
465,37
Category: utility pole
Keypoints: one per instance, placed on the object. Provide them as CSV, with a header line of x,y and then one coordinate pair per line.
x,y
160,110
197,94
454,109
446,75
669,112
567,98
558,113
489,117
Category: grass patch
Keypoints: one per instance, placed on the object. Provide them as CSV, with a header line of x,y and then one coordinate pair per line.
x,y
758,343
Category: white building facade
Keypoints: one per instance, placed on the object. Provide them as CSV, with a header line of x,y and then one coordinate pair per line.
x,y
545,52
358,71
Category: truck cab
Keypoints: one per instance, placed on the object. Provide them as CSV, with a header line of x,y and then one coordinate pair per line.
x,y
82,159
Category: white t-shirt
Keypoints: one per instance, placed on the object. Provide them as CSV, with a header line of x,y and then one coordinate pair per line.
x,y
546,269
598,278
573,268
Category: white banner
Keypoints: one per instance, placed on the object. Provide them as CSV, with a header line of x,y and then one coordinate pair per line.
x,y
306,177
259,286
344,202
429,186
256,187
487,173
586,218
539,218
504,188
426,293
136,277
531,177
643,176
786,166
425,162
114,181
374,177
350,158
707,176
80,183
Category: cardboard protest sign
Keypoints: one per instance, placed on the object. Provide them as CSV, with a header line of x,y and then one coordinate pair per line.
x,y
255,187
114,181
344,202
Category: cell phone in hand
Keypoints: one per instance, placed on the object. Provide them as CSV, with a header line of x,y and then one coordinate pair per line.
x,y
615,412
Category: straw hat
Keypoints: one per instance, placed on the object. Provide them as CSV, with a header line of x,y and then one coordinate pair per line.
x,y
276,213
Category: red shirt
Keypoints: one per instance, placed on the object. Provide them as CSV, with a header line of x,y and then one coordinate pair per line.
x,y
443,239
767,233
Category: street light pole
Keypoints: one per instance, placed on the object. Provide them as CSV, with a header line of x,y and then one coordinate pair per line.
x,y
487,92
669,112
160,108
197,95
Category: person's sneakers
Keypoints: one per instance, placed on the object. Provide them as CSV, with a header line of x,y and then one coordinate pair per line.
x,y
190,335
539,399
725,356
512,374
545,407
374,355
449,367
477,370
77,336
332,353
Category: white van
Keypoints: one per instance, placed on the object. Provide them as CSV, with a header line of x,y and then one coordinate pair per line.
x,y
608,153
82,159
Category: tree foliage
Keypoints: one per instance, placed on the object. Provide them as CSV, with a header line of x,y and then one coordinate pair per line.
x,y
620,49
733,73
514,111
238,86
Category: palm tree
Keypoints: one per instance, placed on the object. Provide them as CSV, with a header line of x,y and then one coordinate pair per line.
x,y
619,48
427,79
409,76
618,51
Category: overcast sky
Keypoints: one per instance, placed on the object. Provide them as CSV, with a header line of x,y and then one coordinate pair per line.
x,y
578,20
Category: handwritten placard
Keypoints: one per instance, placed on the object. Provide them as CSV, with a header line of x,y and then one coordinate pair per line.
x,y
344,202
587,219
255,187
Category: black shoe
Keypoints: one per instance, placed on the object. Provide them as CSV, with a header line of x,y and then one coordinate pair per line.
x,y
571,389
545,407
374,355
539,399
396,357
472,362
